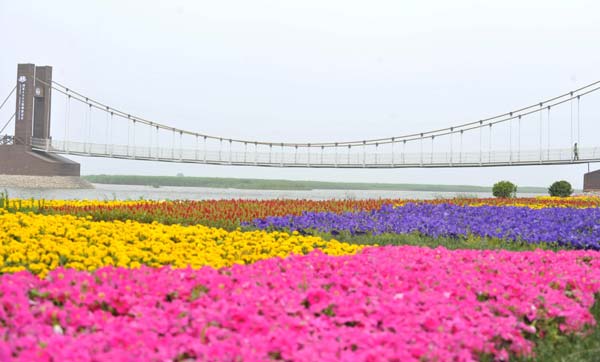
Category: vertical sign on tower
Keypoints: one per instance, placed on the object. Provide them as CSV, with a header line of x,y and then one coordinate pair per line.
x,y
21,87
24,109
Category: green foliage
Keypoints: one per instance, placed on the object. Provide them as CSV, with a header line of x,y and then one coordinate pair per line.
x,y
504,189
560,188
559,347
4,200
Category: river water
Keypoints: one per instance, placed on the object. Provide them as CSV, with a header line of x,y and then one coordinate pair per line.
x,y
130,192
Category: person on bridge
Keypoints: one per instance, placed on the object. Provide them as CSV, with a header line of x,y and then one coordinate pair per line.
x,y
575,152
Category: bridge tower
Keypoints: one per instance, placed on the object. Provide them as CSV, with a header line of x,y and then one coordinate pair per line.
x,y
32,120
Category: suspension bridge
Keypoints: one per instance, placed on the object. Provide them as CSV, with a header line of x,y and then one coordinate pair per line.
x,y
92,128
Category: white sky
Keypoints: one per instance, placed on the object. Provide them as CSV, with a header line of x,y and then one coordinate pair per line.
x,y
315,70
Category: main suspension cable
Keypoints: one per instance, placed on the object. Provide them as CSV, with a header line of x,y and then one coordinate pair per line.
x,y
8,96
7,123
592,87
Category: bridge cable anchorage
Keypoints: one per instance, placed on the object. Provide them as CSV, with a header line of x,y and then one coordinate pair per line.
x,y
592,87
8,96
8,122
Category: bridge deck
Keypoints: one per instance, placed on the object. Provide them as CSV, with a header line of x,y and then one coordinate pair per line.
x,y
323,160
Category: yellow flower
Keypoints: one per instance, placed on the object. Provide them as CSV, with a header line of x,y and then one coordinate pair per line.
x,y
41,243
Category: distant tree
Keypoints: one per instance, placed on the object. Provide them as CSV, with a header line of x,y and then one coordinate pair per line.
x,y
179,174
504,189
560,188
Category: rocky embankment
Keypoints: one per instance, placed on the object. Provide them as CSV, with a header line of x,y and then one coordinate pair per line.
x,y
44,182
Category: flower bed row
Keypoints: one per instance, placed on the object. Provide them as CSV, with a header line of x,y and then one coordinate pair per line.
x,y
229,214
389,303
568,227
40,243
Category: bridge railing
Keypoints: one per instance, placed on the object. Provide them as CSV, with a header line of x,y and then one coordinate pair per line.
x,y
302,158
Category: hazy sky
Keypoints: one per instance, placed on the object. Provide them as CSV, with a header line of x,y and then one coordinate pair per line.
x,y
314,70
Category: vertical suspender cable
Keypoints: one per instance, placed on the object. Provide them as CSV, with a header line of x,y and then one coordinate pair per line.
x,y
578,120
151,143
204,149
67,115
404,151
88,131
376,150
571,104
173,145
510,127
296,154
461,146
245,151
431,155
490,145
519,146
230,151
421,150
480,142
112,124
270,152
451,151
281,161
157,144
220,148
349,153
106,142
393,144
196,150
364,153
133,139
548,151
180,146
128,136
541,121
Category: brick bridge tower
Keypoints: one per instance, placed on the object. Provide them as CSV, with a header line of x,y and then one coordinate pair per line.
x,y
32,120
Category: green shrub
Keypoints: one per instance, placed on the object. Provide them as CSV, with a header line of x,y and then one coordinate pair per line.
x,y
560,188
504,189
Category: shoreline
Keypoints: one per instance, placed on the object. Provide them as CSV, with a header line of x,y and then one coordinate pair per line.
x,y
44,182
286,185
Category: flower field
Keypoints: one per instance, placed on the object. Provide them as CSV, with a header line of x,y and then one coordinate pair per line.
x,y
568,227
235,280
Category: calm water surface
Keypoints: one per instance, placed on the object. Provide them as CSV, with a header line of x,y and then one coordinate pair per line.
x,y
129,192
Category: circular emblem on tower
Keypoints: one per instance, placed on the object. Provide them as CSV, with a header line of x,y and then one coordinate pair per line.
x,y
22,79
